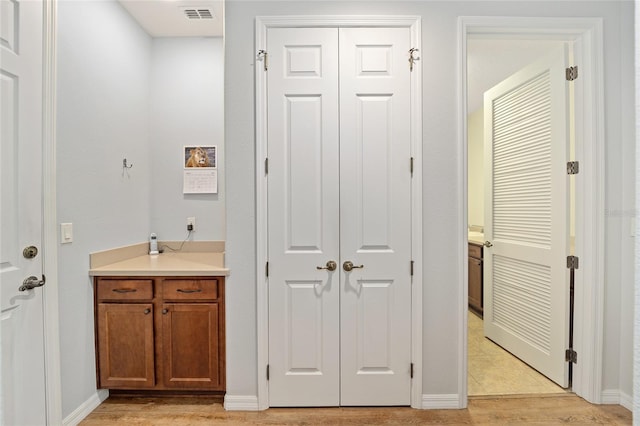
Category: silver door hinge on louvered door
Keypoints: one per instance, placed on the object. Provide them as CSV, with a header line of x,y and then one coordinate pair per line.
x,y
573,167
571,73
571,356
573,262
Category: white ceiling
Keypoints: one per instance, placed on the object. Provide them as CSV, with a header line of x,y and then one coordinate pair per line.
x,y
489,61
166,18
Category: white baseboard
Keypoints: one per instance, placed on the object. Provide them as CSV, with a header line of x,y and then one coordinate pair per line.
x,y
241,403
441,401
86,408
615,396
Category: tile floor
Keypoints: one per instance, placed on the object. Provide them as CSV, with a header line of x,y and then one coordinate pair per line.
x,y
494,371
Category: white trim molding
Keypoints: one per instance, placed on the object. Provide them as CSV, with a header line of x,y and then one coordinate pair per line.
x,y
263,23
241,403
49,235
85,408
617,397
587,37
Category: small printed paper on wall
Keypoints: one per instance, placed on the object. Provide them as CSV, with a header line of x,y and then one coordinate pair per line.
x,y
200,169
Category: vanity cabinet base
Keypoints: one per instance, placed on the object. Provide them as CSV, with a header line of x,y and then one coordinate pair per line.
x,y
160,333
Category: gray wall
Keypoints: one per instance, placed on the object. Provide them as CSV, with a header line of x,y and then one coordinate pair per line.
x,y
441,162
186,109
123,94
103,95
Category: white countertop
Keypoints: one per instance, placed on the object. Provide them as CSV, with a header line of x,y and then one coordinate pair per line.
x,y
476,237
133,261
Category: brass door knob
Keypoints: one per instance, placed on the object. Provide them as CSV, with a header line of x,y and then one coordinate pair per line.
x,y
348,266
331,266
488,244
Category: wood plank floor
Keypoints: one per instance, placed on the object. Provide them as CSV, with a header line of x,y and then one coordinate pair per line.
x,y
556,410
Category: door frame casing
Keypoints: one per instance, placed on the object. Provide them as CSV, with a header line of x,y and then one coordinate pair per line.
x,y
587,35
53,381
263,23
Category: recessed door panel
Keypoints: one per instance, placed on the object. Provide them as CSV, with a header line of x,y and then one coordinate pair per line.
x,y
374,122
303,157
304,328
374,314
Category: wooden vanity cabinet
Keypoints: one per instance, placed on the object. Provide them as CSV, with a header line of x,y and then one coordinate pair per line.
x,y
475,278
160,333
191,348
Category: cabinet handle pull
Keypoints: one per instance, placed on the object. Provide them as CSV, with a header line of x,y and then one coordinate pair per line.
x,y
147,311
165,311
124,290
192,290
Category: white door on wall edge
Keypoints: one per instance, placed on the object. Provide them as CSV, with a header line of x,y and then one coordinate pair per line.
x,y
22,395
526,280
339,188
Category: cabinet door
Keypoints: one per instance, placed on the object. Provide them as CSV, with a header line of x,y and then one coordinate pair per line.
x,y
125,345
190,350
475,284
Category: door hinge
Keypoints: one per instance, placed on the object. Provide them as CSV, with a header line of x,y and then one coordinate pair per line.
x,y
411,370
412,268
573,167
411,165
572,262
262,56
266,269
572,73
266,166
267,371
571,356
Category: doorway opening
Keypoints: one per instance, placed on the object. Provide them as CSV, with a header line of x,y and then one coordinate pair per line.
x,y
492,368
585,36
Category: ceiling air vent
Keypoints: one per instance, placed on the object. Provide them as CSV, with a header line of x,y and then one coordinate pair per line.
x,y
197,13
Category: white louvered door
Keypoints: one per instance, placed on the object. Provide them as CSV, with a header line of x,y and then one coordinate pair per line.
x,y
526,281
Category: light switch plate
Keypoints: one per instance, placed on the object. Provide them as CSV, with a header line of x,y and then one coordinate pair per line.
x,y
66,233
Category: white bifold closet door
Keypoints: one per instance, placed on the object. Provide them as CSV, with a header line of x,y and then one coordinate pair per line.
x,y
526,280
339,190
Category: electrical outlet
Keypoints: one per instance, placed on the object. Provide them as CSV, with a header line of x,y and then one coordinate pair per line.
x,y
191,224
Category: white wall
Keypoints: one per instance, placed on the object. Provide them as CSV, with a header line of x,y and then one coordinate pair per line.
x,y
103,95
441,162
475,161
186,108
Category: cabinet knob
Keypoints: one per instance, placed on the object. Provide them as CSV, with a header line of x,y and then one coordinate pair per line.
x,y
147,311
165,311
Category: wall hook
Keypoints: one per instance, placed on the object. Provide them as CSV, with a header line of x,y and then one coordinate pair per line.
x,y
125,165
